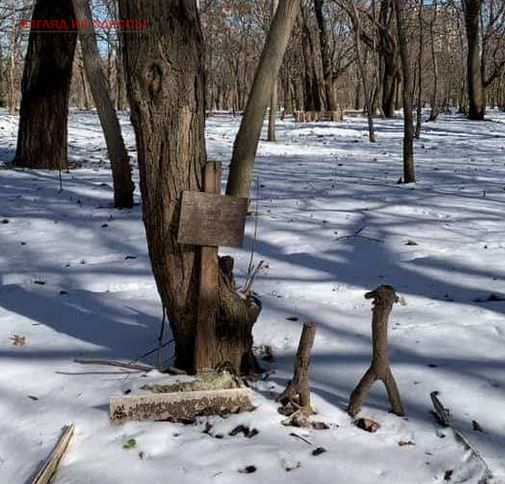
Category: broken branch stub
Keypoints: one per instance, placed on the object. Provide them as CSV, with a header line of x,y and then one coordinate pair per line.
x,y
297,393
383,299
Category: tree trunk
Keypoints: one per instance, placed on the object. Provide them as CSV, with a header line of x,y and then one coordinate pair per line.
x,y
119,159
84,85
168,115
324,41
388,49
434,60
274,99
246,143
472,9
419,107
354,14
407,96
12,102
312,101
42,138
167,111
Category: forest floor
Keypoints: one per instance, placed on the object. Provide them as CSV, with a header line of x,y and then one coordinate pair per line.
x,y
332,224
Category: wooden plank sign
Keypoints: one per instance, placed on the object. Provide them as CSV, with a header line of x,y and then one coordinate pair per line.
x,y
212,220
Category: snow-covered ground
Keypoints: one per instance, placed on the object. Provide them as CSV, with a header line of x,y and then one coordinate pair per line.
x,y
332,224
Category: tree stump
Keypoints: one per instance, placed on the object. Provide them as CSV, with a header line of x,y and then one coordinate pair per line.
x,y
297,394
383,299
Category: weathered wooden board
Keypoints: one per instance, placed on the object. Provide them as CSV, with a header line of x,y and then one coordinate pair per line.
x,y
210,219
50,465
179,406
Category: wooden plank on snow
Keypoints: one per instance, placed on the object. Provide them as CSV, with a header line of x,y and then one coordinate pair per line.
x,y
179,406
50,465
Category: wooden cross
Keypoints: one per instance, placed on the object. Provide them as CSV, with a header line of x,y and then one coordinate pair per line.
x,y
210,220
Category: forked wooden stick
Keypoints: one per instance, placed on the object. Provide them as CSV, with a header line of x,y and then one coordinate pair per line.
x,y
383,299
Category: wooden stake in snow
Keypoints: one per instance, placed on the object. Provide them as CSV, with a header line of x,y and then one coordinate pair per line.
x,y
50,465
297,393
210,220
383,299
179,406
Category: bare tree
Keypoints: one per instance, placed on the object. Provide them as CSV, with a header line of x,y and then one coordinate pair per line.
x,y
42,138
407,96
168,116
419,107
434,61
326,56
354,14
121,172
246,143
274,99
472,11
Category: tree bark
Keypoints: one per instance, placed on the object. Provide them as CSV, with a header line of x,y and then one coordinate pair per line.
x,y
324,42
312,100
42,137
246,143
168,115
12,101
356,21
419,107
167,111
407,96
119,159
389,55
476,98
274,99
434,60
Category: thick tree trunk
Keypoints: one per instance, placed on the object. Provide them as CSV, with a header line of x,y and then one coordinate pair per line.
x,y
324,41
389,55
168,115
476,98
119,159
407,95
167,111
389,85
246,143
42,138
312,101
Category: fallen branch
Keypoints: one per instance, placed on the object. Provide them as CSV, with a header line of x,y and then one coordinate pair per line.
x,y
383,299
50,465
443,418
358,235
120,364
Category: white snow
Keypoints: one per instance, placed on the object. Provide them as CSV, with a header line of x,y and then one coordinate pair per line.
x,y
332,224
